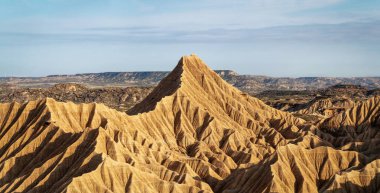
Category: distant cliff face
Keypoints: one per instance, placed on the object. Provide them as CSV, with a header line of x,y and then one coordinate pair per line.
x,y
118,98
247,83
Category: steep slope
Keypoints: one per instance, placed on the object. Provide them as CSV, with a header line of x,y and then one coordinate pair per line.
x,y
358,125
292,169
316,106
187,135
363,180
193,84
353,166
327,107
193,133
212,121
48,146
363,115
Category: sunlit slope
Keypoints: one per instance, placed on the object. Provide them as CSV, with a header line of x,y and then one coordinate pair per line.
x,y
193,133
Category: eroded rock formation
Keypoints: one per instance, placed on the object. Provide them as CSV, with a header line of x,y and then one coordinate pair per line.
x,y
193,133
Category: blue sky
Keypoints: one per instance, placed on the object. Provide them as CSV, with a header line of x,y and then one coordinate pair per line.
x,y
264,37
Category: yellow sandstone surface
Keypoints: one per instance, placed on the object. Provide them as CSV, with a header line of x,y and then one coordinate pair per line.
x,y
193,133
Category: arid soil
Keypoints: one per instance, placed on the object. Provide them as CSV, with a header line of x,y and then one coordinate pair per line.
x,y
322,102
318,104
248,83
118,98
193,132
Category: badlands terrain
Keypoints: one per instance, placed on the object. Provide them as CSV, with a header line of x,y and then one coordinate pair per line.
x,y
252,84
193,132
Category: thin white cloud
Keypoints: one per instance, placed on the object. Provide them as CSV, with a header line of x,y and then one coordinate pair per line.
x,y
353,32
198,14
255,34
284,5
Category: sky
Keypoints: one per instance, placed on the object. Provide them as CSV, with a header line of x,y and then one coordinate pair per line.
x,y
281,38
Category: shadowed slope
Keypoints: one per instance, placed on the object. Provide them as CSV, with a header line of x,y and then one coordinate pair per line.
x,y
366,179
356,128
193,133
292,169
355,120
77,149
188,134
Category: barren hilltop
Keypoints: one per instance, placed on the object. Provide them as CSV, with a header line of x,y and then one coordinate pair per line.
x,y
193,132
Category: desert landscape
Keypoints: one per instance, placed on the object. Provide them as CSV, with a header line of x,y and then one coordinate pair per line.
x,y
201,96
192,132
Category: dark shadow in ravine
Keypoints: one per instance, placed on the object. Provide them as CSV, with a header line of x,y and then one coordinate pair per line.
x,y
166,87
59,173
349,187
30,120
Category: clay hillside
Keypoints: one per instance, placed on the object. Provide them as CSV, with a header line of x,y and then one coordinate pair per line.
x,y
194,132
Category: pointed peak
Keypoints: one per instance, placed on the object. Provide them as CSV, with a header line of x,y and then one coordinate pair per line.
x,y
188,66
188,58
194,64
191,56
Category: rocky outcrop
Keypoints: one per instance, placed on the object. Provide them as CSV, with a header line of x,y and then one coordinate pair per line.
x,y
292,169
359,122
193,133
118,98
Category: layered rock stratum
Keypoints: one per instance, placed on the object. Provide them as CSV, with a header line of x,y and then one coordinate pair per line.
x,y
253,84
117,98
193,133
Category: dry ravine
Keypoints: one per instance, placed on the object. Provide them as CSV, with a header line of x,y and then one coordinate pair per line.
x,y
194,132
